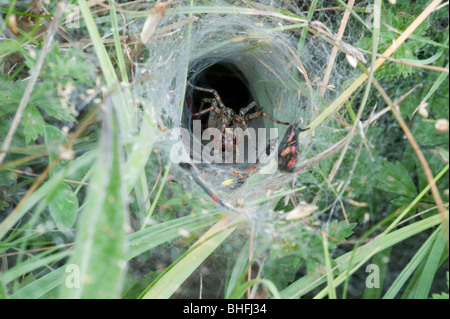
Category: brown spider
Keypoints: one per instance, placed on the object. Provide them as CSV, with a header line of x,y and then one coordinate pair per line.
x,y
226,119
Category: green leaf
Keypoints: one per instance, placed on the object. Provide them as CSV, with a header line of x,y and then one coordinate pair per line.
x,y
99,251
9,46
396,179
41,194
401,201
63,206
150,237
441,153
54,139
71,67
7,178
340,231
282,270
32,264
409,269
43,97
425,134
443,295
329,271
63,203
423,285
238,270
3,294
33,123
41,286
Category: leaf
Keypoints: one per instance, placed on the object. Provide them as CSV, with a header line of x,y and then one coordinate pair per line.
x,y
423,285
401,201
282,270
63,203
8,178
99,251
9,46
362,180
2,291
33,123
238,270
41,286
441,296
72,66
54,139
49,103
32,264
425,134
63,206
410,49
42,192
148,238
396,179
411,267
340,231
441,153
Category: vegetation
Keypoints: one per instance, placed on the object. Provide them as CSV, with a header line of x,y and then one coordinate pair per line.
x,y
90,206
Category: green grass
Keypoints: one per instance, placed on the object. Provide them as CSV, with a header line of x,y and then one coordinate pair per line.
x,y
106,198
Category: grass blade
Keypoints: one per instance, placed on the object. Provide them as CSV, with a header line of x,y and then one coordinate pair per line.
x,y
329,271
99,251
30,265
41,286
311,281
140,242
121,98
423,286
238,270
410,268
42,192
381,260
172,279
240,290
153,236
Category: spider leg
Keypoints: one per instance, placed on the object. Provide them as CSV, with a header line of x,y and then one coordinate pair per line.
x,y
212,91
209,109
243,123
245,110
203,102
259,114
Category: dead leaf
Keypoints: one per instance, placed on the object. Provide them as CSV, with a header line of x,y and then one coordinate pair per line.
x,y
152,21
301,211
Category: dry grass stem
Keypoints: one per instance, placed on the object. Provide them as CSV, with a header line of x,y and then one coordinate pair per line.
x,y
335,49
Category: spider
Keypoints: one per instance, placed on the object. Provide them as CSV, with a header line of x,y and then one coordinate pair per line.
x,y
226,119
